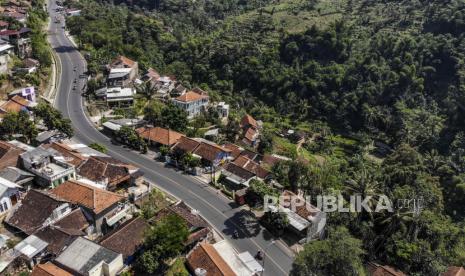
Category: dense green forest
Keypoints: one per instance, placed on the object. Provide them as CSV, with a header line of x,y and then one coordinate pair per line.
x,y
389,71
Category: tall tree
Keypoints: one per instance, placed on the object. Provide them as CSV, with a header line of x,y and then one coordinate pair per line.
x,y
340,254
163,241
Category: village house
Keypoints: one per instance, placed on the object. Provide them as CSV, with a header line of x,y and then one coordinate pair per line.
x,y
375,269
453,271
28,65
151,76
105,209
16,104
9,195
205,260
250,131
305,220
5,51
223,110
192,102
84,257
236,176
28,93
32,250
9,155
20,40
179,90
37,210
122,62
117,96
185,145
49,269
158,136
221,259
57,238
246,163
64,153
49,136
110,127
119,77
63,232
17,176
210,153
127,239
107,173
49,167
163,85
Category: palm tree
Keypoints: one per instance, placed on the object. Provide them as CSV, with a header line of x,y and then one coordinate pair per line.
x,y
147,89
364,183
433,161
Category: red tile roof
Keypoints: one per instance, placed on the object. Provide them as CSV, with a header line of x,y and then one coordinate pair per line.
x,y
250,134
122,60
152,74
98,168
270,160
74,220
33,211
127,238
206,257
247,121
251,166
186,144
193,221
454,271
159,135
71,157
15,104
210,152
375,269
305,211
87,196
239,171
49,269
9,155
191,96
57,238
235,149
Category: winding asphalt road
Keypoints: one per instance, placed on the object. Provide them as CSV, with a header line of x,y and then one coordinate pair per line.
x,y
220,212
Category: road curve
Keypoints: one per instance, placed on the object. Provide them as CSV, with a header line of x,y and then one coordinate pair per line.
x,y
223,215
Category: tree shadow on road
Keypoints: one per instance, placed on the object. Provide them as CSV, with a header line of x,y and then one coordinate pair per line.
x,y
64,49
245,223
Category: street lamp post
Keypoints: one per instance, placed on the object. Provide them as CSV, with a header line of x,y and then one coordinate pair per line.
x,y
264,255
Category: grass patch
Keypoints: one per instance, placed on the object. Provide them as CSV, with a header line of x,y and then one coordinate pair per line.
x,y
177,268
284,147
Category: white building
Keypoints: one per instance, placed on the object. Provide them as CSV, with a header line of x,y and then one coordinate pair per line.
x,y
5,51
85,257
9,195
223,109
50,171
116,96
192,102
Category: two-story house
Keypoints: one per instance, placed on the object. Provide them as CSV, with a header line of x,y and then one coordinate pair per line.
x,y
37,210
48,169
192,102
105,209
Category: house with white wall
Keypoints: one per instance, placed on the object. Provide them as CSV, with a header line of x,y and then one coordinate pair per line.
x,y
9,195
193,102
